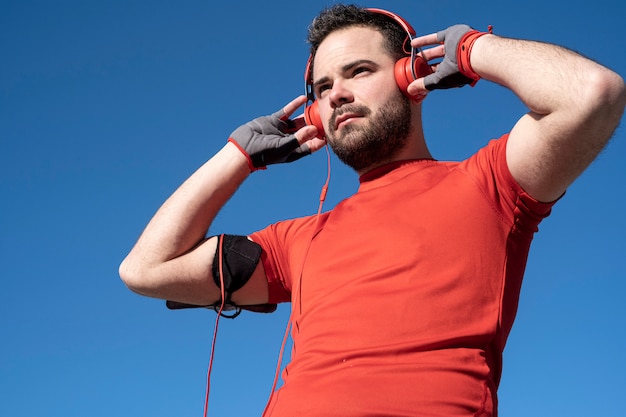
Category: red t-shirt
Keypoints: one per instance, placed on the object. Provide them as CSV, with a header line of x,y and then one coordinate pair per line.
x,y
405,292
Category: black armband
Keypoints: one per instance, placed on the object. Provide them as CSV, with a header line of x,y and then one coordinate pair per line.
x,y
240,257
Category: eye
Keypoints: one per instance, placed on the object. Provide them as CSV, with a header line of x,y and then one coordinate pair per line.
x,y
360,70
322,89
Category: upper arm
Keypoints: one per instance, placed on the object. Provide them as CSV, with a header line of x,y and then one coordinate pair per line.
x,y
188,278
546,153
255,291
575,105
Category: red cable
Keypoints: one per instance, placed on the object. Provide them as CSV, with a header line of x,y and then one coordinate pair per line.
x,y
217,322
289,323
296,288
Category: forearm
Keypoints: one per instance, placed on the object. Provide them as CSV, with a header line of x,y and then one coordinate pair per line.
x,y
172,259
162,263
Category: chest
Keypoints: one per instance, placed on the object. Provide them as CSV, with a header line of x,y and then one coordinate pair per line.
x,y
418,253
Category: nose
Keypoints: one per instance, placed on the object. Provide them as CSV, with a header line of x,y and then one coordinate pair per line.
x,y
340,94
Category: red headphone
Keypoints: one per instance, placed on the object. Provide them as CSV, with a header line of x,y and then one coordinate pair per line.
x,y
406,70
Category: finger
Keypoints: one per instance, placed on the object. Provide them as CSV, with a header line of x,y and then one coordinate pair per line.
x,y
293,106
438,51
417,89
315,144
306,134
424,40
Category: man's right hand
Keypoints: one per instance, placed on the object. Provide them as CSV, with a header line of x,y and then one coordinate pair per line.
x,y
276,138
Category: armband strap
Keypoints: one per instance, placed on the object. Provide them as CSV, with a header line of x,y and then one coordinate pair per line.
x,y
464,51
255,308
240,256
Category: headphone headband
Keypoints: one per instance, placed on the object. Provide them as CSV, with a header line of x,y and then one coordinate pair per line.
x,y
399,20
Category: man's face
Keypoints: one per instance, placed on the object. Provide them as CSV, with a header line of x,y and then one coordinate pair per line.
x,y
367,119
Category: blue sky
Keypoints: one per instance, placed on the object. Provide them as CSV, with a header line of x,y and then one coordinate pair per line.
x,y
107,106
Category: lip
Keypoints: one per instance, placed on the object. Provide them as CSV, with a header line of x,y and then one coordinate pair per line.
x,y
344,118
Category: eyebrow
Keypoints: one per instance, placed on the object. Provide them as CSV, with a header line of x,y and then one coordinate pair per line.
x,y
345,68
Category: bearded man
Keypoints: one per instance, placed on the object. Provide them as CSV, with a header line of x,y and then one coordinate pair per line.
x,y
403,295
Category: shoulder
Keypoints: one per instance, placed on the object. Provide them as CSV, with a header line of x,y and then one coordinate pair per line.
x,y
286,233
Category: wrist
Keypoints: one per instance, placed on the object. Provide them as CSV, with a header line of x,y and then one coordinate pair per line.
x,y
464,52
243,152
239,156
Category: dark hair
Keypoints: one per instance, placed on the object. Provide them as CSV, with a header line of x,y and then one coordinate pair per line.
x,y
341,16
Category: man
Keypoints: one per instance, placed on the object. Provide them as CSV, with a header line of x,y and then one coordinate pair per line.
x,y
404,294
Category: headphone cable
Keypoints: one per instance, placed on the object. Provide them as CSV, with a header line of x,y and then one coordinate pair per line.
x,y
296,289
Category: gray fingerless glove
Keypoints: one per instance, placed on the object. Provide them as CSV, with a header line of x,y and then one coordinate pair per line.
x,y
448,74
268,140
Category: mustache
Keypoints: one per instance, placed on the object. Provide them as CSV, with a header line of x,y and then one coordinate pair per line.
x,y
354,108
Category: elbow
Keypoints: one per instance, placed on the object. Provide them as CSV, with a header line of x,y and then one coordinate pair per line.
x,y
607,94
133,276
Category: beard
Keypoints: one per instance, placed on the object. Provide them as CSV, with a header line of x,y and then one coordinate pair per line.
x,y
387,132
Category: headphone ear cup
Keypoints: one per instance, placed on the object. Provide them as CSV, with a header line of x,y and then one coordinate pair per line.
x,y
312,118
421,67
404,74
